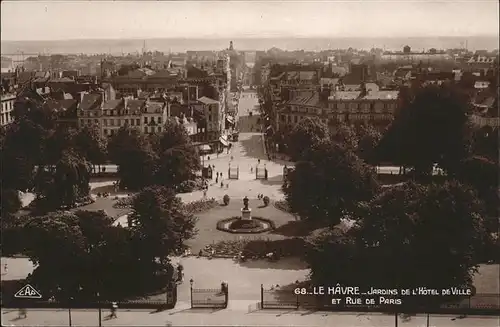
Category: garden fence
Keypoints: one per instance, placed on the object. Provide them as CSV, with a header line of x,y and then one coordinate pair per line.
x,y
209,298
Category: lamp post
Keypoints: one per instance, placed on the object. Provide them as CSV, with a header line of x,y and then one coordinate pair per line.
x,y
191,282
69,310
100,310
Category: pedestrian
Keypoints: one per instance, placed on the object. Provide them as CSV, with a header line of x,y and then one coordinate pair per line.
x,y
23,313
208,158
217,179
5,268
251,169
114,307
221,184
227,186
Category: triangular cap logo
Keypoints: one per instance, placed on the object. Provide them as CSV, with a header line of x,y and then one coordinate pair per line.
x,y
28,292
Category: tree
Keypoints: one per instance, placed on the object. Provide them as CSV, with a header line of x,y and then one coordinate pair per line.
x,y
80,253
62,184
486,143
134,155
58,141
306,136
10,201
415,235
344,135
434,128
57,245
329,185
482,174
178,157
159,227
91,145
369,137
32,109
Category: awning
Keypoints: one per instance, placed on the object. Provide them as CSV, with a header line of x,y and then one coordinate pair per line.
x,y
230,119
223,141
205,147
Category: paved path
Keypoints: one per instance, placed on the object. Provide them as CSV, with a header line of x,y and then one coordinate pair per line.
x,y
245,154
241,316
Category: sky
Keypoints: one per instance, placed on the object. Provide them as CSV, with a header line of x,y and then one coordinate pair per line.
x,y
61,20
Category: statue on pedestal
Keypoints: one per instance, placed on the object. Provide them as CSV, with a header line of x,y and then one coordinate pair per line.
x,y
246,212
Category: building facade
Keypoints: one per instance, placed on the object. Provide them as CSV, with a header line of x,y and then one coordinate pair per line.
x,y
8,100
214,116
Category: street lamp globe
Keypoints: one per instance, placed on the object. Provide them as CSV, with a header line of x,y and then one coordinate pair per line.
x,y
191,281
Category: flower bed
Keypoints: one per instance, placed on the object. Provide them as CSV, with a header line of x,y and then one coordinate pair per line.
x,y
238,226
283,206
245,224
200,205
123,203
196,184
39,205
257,248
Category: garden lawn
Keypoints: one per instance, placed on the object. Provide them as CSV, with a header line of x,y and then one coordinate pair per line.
x,y
105,204
207,223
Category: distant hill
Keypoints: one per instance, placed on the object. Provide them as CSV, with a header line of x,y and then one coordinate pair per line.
x,y
285,43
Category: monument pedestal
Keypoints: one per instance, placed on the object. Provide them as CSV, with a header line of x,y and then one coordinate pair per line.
x,y
246,214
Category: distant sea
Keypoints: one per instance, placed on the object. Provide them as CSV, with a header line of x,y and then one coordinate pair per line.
x,y
119,46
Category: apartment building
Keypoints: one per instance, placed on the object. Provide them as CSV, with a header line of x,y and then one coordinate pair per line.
x,y
374,107
154,116
144,115
352,107
90,110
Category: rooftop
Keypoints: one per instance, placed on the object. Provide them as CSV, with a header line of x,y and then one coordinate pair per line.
x,y
311,99
89,101
371,95
134,105
60,105
62,80
111,104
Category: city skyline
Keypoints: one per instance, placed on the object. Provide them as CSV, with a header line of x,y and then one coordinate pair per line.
x,y
245,19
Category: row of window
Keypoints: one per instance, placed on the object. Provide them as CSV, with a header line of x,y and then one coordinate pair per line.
x,y
352,109
147,129
5,119
296,118
7,106
107,113
362,105
131,121
134,90
122,122
89,122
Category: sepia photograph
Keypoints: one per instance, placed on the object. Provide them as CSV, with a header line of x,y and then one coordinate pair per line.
x,y
250,163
